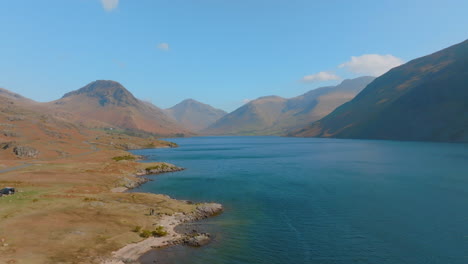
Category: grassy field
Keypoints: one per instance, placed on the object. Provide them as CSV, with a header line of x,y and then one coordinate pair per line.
x,y
65,210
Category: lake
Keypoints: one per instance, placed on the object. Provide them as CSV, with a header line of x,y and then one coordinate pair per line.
x,y
309,200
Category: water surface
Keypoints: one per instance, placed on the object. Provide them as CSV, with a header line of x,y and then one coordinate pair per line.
x,y
295,200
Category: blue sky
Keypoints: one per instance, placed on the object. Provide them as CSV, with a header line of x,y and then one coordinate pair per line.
x,y
220,52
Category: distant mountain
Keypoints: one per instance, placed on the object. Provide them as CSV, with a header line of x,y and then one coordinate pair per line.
x,y
273,115
109,104
13,96
425,99
194,115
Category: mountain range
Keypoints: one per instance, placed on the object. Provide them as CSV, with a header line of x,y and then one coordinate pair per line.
x,y
195,115
274,115
425,99
108,104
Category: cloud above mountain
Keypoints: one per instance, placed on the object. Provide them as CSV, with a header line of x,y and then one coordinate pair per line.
x,y
371,64
163,46
110,5
320,77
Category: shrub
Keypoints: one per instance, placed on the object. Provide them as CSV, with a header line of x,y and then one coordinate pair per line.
x,y
145,233
149,169
159,232
150,145
136,229
126,157
157,167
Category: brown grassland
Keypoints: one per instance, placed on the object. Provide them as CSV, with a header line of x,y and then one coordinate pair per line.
x,y
66,209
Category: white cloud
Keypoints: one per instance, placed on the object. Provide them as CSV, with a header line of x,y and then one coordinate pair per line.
x,y
320,77
246,100
109,5
163,46
372,64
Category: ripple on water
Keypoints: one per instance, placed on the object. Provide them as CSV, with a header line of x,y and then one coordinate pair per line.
x,y
320,200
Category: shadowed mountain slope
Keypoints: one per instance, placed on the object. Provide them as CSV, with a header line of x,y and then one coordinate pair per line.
x,y
273,115
194,115
425,99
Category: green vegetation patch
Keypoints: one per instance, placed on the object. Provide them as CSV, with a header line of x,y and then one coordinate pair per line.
x,y
126,157
158,232
145,233
136,229
157,167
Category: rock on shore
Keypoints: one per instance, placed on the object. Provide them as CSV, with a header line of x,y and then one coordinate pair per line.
x,y
131,252
196,239
158,168
207,209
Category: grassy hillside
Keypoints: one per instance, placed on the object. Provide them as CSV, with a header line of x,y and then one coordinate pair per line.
x,y
424,99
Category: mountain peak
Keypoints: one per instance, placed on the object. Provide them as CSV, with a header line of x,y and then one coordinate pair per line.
x,y
107,91
194,114
274,115
268,98
362,79
189,101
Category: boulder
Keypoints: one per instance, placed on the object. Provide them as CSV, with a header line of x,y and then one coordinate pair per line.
x,y
25,152
197,240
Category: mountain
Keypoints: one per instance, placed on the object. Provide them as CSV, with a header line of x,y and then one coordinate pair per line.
x,y
425,99
26,132
14,96
108,104
195,115
274,115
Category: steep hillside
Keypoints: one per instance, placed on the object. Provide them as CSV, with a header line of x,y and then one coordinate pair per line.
x,y
109,104
26,133
274,115
71,180
424,99
194,115
14,96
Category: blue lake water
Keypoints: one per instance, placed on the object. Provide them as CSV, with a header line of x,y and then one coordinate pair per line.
x,y
296,200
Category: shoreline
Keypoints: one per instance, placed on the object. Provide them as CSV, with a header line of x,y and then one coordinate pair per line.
x,y
132,252
140,175
87,194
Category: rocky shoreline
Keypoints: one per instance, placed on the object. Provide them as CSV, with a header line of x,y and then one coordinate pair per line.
x,y
132,252
136,180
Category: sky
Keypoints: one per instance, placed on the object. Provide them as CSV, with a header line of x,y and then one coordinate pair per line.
x,y
220,52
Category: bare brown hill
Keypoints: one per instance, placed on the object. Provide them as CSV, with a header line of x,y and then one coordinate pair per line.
x,y
11,95
27,133
108,104
68,180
